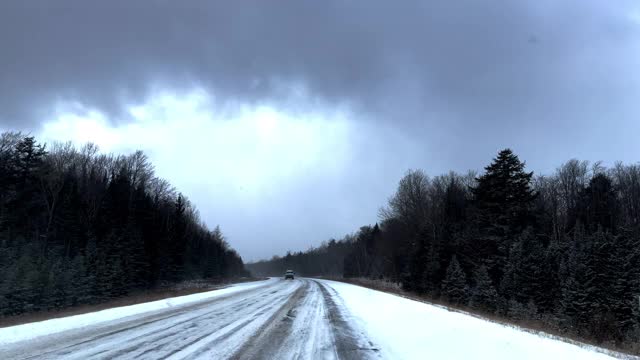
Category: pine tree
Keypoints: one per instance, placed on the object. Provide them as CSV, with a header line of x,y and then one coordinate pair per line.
x,y
599,204
26,204
413,280
524,277
454,285
504,195
483,295
625,275
177,246
503,199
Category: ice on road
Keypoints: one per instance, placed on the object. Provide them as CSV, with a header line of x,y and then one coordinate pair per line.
x,y
281,319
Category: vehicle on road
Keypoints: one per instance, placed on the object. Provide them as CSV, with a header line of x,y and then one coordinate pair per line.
x,y
289,275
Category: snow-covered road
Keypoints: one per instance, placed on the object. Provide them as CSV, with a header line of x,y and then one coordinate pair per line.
x,y
280,319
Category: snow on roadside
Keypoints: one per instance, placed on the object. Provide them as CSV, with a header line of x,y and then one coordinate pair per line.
x,y
28,331
409,329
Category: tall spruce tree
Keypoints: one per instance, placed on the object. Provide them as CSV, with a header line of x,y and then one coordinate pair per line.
x,y
503,200
483,296
524,277
454,285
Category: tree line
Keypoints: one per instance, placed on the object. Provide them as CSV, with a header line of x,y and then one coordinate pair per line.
x,y
561,251
80,227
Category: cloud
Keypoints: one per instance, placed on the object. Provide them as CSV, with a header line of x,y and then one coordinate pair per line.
x,y
396,60
316,108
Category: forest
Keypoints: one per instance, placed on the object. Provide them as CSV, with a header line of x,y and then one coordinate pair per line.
x,y
560,251
81,227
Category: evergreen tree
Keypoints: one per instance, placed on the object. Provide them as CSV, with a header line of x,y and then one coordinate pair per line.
x,y
599,204
503,200
413,280
504,195
454,285
177,246
525,277
483,296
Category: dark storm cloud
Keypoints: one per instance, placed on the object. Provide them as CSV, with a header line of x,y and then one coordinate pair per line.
x,y
392,59
437,85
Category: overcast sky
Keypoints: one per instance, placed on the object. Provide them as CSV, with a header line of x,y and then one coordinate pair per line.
x,y
291,122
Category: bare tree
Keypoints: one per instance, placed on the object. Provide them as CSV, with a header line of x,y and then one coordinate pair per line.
x,y
410,204
52,180
573,177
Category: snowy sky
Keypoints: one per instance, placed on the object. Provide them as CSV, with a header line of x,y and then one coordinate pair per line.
x,y
291,122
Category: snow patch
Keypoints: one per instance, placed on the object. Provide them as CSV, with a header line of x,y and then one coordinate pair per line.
x,y
409,329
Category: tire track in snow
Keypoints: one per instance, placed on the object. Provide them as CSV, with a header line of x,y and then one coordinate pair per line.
x,y
210,349
274,334
311,326
349,343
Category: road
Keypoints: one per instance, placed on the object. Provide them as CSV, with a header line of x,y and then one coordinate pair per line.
x,y
299,319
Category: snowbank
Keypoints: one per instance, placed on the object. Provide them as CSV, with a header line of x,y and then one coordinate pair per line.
x,y
36,329
408,329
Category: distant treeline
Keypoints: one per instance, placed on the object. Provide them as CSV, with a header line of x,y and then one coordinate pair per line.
x,y
79,227
561,251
